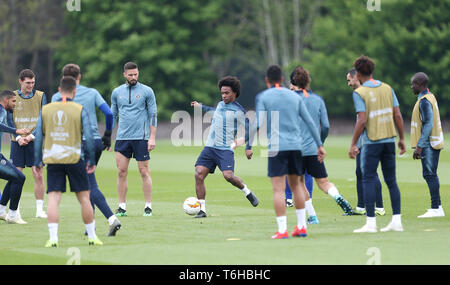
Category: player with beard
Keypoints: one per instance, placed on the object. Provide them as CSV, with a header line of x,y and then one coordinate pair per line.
x,y
135,106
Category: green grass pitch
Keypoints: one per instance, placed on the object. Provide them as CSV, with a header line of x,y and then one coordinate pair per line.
x,y
234,232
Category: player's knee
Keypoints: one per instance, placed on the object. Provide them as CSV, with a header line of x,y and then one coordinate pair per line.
x,y
228,176
122,173
199,176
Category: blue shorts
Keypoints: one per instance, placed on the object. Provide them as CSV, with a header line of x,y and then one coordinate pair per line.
x,y
22,156
133,148
315,168
78,178
286,162
211,157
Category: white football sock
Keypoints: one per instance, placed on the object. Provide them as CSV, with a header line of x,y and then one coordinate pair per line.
x,y
245,190
39,205
12,214
310,208
148,204
333,192
282,224
301,218
397,219
90,228
2,209
371,222
53,230
202,205
112,219
123,205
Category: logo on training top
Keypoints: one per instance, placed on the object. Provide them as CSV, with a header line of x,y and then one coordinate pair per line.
x,y
60,118
3,162
138,96
372,99
19,106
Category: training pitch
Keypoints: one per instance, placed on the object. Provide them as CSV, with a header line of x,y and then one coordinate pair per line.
x,y
234,232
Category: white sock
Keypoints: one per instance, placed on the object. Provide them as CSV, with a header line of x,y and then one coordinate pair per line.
x,y
333,192
90,228
371,222
282,224
53,230
39,205
2,209
12,214
112,219
379,209
397,219
202,205
310,208
245,190
301,218
123,205
148,204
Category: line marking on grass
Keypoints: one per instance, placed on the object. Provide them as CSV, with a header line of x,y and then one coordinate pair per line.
x,y
429,230
233,239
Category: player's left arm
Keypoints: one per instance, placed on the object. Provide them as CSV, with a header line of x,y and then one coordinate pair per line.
x,y
398,120
304,114
152,113
324,123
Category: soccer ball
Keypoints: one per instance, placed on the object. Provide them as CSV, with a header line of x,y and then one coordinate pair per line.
x,y
191,206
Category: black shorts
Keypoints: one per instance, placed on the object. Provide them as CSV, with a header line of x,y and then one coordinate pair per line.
x,y
211,157
22,156
56,177
133,148
286,162
315,168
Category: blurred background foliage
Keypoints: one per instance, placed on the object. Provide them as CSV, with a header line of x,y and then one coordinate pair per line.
x,y
184,47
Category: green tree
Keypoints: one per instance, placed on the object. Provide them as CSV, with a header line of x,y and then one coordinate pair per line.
x,y
167,39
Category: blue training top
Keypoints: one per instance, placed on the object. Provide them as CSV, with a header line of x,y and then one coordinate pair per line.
x,y
4,127
227,119
90,98
360,106
288,120
318,111
136,108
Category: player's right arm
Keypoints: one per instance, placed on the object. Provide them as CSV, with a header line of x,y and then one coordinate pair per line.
x,y
205,108
89,136
361,120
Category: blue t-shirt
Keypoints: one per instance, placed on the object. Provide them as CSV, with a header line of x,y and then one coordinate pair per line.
x,y
318,111
136,108
288,120
360,106
227,119
89,98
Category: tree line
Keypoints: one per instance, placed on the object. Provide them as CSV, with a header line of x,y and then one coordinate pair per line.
x,y
183,47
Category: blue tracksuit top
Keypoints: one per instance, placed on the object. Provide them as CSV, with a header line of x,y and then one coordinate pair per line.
x,y
136,108
318,111
225,124
288,120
